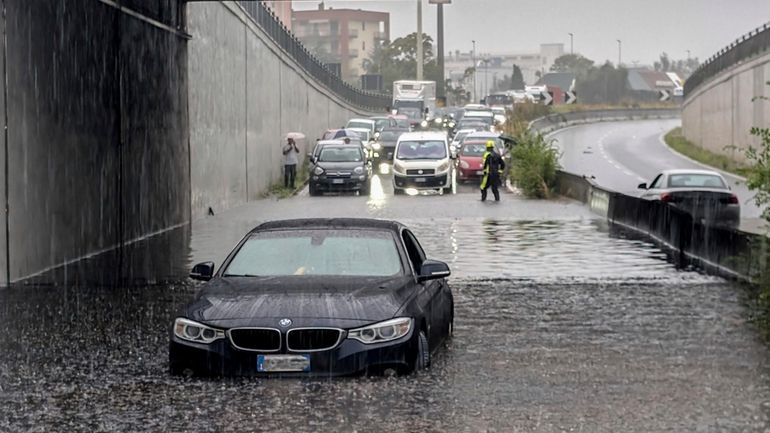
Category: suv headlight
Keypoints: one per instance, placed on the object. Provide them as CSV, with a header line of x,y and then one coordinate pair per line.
x,y
318,171
381,332
196,332
358,170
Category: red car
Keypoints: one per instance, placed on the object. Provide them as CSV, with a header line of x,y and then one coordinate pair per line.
x,y
469,160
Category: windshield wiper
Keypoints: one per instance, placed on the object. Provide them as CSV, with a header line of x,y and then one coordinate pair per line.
x,y
242,275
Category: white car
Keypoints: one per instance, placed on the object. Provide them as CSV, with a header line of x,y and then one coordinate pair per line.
x,y
422,161
458,139
358,124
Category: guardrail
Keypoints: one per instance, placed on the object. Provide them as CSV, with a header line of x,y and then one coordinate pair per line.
x,y
719,250
747,46
273,27
556,121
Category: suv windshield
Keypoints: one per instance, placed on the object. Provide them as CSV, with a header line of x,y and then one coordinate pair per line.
x,y
340,154
317,252
428,149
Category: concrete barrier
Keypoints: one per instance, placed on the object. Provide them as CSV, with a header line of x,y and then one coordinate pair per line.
x,y
556,121
727,252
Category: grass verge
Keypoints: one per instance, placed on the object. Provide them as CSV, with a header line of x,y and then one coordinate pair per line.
x,y
277,190
676,141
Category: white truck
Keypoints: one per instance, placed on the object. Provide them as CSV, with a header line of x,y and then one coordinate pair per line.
x,y
411,98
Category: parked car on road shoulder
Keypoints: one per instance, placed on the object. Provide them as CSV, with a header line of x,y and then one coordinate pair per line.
x,y
704,194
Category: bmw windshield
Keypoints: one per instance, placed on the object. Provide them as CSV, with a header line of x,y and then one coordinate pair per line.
x,y
317,252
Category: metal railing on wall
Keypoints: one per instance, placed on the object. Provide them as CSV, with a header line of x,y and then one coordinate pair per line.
x,y
755,42
275,29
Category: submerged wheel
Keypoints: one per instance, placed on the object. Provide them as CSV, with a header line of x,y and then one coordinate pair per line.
x,y
423,352
313,191
398,191
365,189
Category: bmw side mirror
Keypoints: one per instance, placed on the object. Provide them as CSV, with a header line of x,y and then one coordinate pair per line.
x,y
202,271
433,270
642,186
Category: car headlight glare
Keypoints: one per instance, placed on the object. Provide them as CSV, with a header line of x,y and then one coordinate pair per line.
x,y
318,171
438,121
451,124
376,146
358,170
464,164
196,332
388,330
424,123
397,168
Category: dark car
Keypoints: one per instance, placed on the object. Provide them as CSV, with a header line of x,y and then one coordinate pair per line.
x,y
316,297
382,122
704,194
385,144
340,167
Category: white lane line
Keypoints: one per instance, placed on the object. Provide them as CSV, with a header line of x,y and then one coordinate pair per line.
x,y
622,168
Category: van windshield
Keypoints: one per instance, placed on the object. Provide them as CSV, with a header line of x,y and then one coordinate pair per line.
x,y
427,149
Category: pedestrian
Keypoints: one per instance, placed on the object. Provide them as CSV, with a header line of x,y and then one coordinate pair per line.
x,y
493,169
290,161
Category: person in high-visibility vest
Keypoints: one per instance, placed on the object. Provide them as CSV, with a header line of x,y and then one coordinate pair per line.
x,y
493,169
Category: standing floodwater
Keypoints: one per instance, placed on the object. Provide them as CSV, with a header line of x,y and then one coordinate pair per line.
x,y
559,327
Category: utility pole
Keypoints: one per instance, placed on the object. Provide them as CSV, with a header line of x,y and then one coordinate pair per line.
x,y
571,44
620,48
419,41
473,59
440,47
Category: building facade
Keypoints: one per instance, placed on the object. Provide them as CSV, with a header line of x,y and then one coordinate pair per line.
x,y
282,9
344,36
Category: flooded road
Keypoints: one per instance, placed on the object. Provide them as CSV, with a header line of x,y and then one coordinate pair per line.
x,y
560,326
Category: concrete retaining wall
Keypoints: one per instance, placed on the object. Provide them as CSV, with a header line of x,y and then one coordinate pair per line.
x,y
245,95
97,130
720,113
553,122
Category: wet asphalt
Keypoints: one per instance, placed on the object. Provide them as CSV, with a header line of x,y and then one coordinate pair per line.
x,y
562,324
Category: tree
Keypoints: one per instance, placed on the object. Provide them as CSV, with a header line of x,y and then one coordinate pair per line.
x,y
574,63
397,60
605,84
517,78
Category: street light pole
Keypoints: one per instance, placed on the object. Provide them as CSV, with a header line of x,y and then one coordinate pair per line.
x,y
473,58
620,46
571,44
440,48
419,40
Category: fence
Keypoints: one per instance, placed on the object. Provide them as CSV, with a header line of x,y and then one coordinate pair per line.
x,y
556,121
273,27
745,47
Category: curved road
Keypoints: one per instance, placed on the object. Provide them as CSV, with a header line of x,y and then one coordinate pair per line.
x,y
620,155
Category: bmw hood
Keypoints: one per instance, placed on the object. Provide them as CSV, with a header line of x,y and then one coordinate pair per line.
x,y
307,301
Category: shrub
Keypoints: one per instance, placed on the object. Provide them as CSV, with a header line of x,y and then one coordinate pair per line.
x,y
534,161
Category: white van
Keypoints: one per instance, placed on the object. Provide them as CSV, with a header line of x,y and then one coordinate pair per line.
x,y
422,161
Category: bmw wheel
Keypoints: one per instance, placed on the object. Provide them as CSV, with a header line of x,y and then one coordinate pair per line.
x,y
423,352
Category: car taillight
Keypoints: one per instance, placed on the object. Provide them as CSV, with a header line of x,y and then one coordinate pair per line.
x,y
733,199
666,197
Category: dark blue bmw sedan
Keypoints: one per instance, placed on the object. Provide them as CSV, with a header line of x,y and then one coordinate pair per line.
x,y
316,297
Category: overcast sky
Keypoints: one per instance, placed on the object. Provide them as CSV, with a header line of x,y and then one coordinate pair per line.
x,y
645,27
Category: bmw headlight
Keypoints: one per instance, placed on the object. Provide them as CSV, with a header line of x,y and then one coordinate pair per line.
x,y
381,332
358,170
196,332
376,146
318,171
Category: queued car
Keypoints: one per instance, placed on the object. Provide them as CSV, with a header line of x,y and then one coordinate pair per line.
x,y
422,162
382,122
402,121
454,146
340,167
704,194
385,144
316,297
331,134
361,125
470,160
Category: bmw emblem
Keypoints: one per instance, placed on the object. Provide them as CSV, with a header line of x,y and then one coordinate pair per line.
x,y
285,322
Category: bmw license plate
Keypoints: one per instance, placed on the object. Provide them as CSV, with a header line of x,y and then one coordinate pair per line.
x,y
282,363
338,181
420,180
